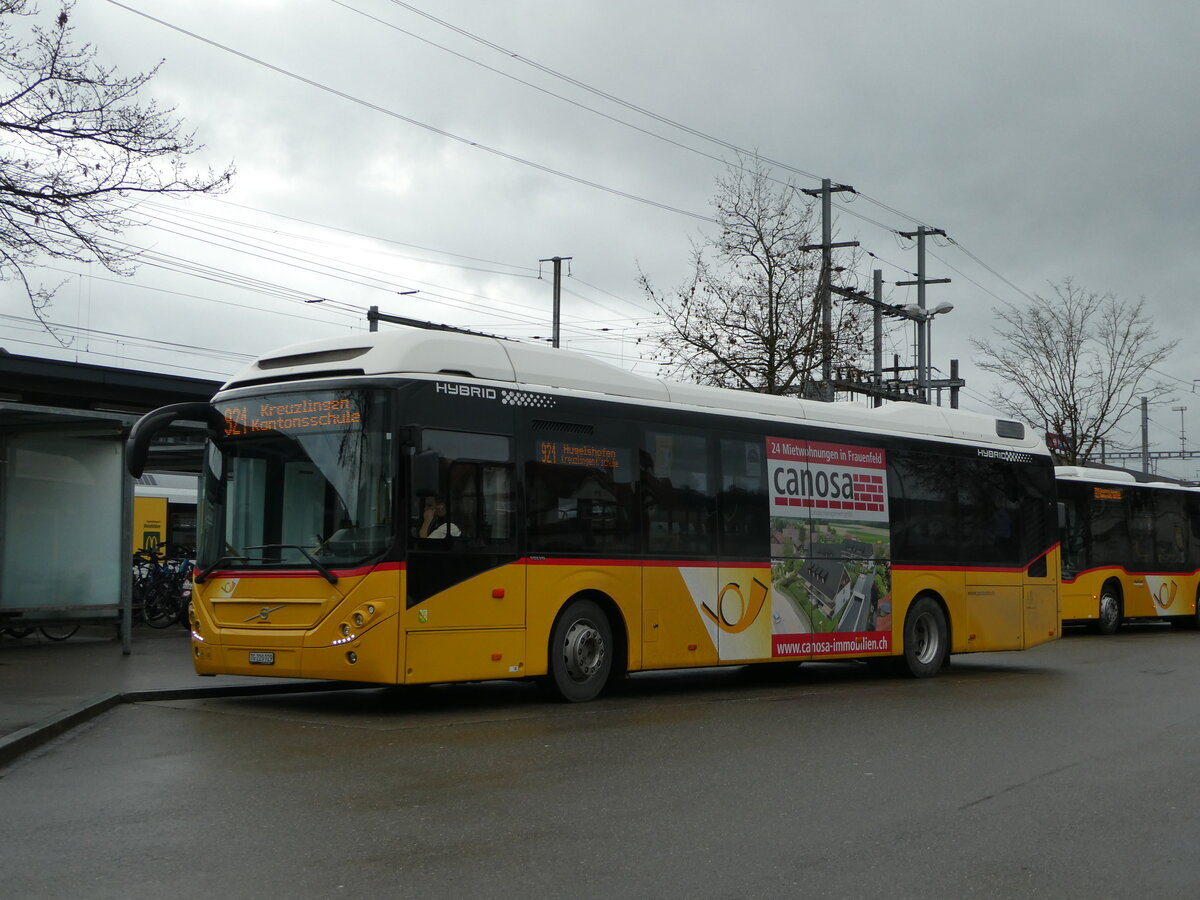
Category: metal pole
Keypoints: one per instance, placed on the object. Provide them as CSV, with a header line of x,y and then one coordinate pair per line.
x,y
557,314
922,349
878,336
827,299
557,298
1146,435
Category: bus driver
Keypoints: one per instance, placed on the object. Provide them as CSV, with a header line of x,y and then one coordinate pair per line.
x,y
434,521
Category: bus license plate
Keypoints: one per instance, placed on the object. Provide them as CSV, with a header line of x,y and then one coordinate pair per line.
x,y
262,657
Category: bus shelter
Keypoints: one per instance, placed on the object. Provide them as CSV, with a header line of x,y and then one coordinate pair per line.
x,y
66,501
65,517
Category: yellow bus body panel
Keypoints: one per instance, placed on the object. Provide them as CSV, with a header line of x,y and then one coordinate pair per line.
x,y
497,624
310,625
1143,595
553,583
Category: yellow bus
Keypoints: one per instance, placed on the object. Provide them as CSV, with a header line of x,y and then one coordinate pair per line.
x,y
424,506
1129,550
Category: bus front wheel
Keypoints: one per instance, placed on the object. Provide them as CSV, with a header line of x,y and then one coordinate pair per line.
x,y
581,653
926,638
1109,613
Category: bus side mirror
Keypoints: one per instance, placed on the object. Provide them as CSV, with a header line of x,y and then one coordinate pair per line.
x,y
426,473
1062,517
137,445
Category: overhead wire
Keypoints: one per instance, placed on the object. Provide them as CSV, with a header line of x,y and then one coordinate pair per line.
x,y
581,85
441,132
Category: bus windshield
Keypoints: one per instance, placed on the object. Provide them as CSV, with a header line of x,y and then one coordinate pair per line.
x,y
303,478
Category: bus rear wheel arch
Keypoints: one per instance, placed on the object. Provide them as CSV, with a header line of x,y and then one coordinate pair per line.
x,y
926,638
1109,611
584,651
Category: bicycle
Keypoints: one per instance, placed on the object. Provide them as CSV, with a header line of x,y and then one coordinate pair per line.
x,y
161,588
56,632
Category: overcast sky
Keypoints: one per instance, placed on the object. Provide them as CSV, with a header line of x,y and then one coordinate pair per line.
x,y
385,147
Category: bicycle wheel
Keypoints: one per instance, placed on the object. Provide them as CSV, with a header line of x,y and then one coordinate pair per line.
x,y
159,606
58,632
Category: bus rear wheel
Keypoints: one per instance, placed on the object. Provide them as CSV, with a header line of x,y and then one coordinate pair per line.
x,y
926,639
581,653
1109,613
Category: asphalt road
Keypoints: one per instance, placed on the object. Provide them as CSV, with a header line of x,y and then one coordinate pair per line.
x,y
1065,771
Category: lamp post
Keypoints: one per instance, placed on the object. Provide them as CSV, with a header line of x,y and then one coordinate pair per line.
x,y
924,317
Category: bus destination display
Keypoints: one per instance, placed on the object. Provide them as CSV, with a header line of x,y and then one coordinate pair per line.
x,y
276,414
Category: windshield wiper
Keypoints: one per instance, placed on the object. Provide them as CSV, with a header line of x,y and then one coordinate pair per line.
x,y
200,577
316,563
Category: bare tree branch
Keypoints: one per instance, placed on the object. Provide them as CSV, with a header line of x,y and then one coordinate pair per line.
x,y
748,315
1075,363
78,150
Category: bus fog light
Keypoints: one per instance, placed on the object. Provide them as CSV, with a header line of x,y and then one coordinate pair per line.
x,y
351,657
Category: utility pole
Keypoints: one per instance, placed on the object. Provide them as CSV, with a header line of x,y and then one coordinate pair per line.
x,y
825,282
877,317
1182,428
1145,434
923,367
557,315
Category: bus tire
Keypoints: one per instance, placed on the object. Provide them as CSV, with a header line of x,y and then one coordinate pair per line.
x,y
581,653
1108,617
926,639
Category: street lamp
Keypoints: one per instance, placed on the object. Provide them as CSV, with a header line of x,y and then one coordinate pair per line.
x,y
924,317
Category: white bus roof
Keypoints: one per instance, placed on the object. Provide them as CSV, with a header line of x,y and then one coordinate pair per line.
x,y
1111,476
534,367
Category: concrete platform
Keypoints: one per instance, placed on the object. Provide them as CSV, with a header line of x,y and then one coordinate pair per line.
x,y
47,687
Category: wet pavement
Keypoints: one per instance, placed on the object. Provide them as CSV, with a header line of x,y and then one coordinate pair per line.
x,y
47,687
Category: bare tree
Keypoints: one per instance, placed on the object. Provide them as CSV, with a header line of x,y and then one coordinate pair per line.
x,y
1075,362
78,149
749,316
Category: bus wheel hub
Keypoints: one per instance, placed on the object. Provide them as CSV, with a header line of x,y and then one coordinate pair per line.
x,y
583,650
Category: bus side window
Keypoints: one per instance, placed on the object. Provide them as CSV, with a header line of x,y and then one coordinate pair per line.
x,y
745,513
1170,530
923,495
1141,527
991,512
1037,516
580,493
475,487
678,494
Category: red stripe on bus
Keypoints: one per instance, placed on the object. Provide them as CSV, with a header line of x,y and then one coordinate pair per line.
x,y
649,563
306,573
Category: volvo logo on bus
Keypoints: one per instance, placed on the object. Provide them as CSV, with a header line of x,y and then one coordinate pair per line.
x,y
466,390
263,614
